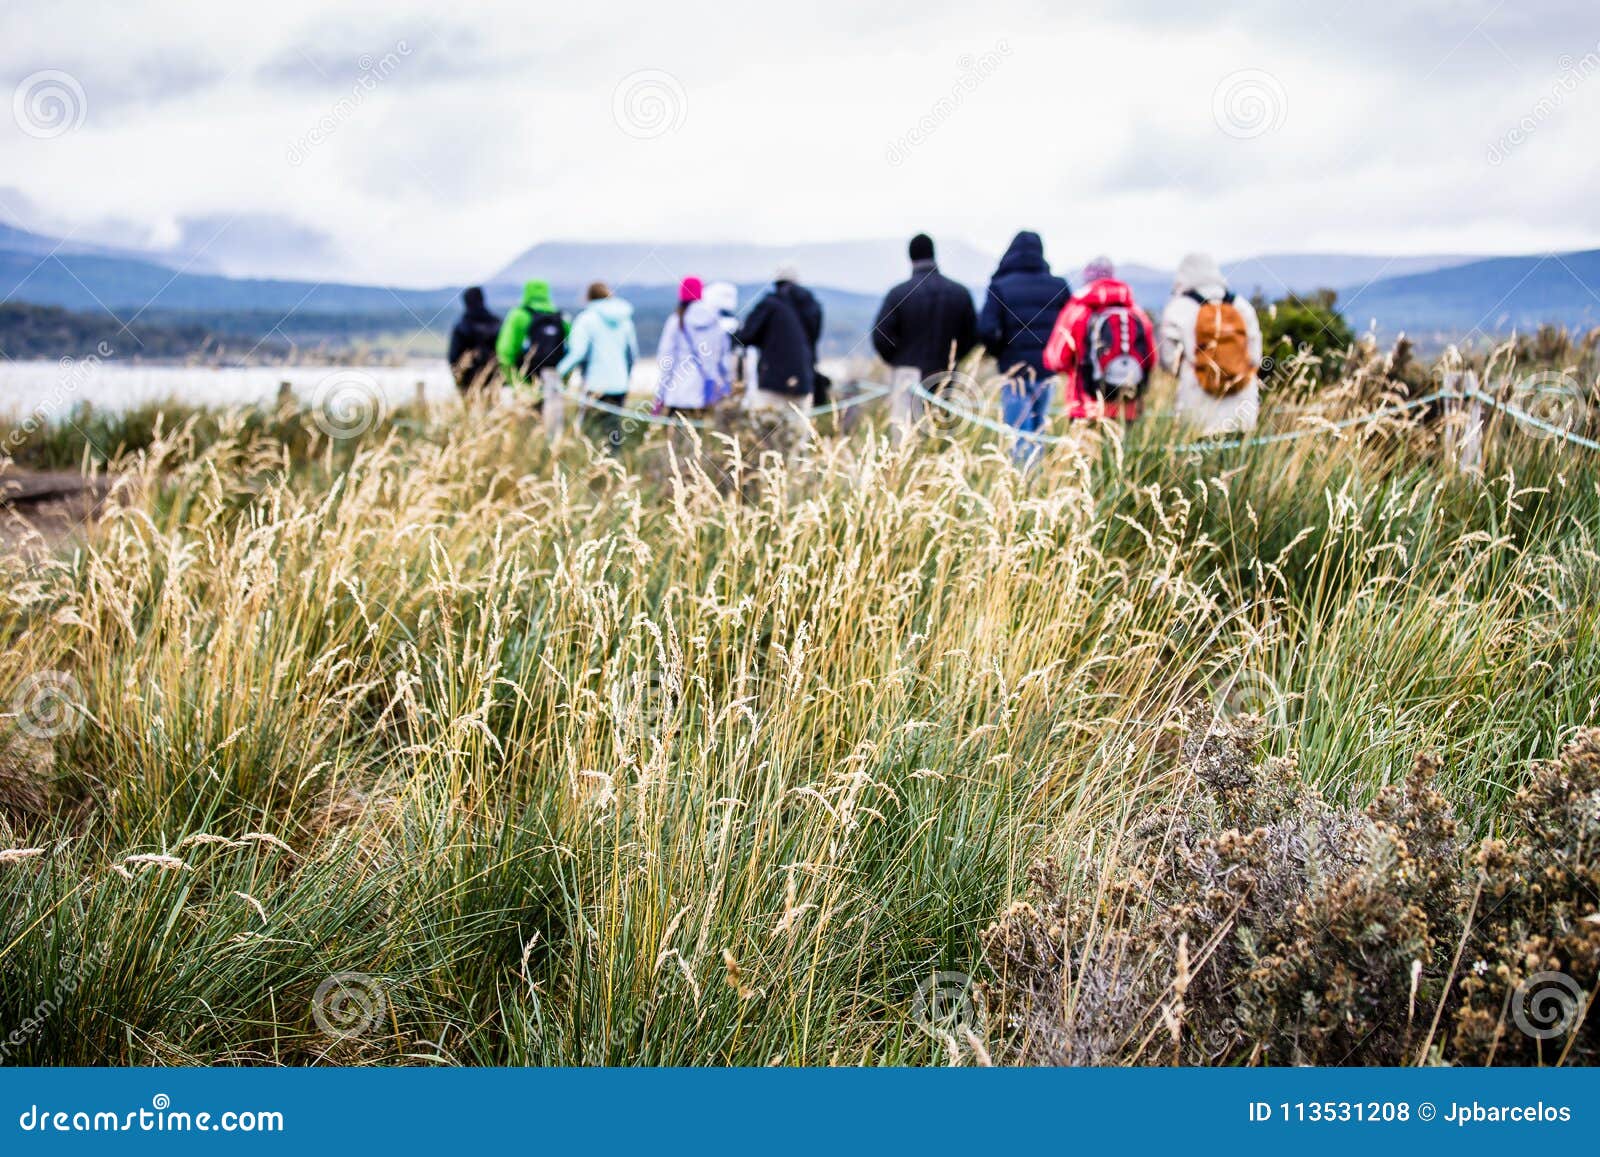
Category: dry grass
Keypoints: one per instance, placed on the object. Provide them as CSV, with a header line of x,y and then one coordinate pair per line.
x,y
705,754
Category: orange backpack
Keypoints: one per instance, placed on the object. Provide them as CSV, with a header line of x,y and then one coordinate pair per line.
x,y
1222,362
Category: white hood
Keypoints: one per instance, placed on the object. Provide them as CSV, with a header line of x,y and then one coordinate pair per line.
x,y
1199,271
692,358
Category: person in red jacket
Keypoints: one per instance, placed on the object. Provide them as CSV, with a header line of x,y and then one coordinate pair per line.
x,y
1103,346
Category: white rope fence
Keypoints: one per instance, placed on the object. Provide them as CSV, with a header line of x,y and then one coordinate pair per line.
x,y
867,392
1533,420
1212,444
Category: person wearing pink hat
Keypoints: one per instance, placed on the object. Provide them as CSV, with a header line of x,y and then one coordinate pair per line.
x,y
693,354
1103,346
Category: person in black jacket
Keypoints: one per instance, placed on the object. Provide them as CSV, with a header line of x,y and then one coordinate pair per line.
x,y
471,353
1024,300
927,322
785,326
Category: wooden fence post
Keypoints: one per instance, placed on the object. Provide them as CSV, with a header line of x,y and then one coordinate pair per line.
x,y
1464,421
904,405
555,405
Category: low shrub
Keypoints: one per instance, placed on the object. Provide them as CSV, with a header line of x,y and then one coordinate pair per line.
x,y
1256,922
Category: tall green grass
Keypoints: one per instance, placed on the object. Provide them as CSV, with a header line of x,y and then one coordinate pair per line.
x,y
694,756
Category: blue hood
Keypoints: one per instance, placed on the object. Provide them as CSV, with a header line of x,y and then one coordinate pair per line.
x,y
1025,255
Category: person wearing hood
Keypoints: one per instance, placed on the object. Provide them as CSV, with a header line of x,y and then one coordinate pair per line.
x,y
1103,346
472,344
693,355
785,326
533,337
928,322
723,296
1024,300
603,345
1211,339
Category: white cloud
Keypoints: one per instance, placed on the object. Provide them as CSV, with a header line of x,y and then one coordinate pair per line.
x,y
494,127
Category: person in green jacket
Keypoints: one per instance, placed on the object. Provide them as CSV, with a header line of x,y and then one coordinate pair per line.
x,y
533,337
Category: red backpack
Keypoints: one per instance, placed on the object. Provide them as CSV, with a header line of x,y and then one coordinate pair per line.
x,y
1116,350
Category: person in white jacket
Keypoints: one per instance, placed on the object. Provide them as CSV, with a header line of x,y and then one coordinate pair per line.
x,y
1200,274
693,356
723,296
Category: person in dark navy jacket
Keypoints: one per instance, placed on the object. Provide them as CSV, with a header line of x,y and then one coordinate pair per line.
x,y
1019,312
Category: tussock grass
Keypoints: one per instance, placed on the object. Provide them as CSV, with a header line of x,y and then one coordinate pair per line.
x,y
703,755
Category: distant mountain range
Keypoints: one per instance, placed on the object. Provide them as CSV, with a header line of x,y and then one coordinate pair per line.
x,y
14,241
872,266
1439,297
92,280
1276,274
854,266
1494,295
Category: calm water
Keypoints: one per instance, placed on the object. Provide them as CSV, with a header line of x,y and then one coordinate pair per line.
x,y
50,390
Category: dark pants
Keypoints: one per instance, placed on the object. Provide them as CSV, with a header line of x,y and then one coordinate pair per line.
x,y
609,428
821,388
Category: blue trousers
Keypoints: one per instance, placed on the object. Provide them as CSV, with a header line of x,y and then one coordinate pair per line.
x,y
1025,405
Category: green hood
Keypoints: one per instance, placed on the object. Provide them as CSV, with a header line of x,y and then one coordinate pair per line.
x,y
536,296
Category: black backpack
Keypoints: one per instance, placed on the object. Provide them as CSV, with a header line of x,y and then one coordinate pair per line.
x,y
547,343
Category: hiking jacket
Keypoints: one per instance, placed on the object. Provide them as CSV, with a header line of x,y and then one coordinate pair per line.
x,y
471,352
1069,338
1177,342
785,326
693,357
928,322
604,345
1023,302
513,340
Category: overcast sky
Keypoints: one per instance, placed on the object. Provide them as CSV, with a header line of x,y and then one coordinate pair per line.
x,y
421,143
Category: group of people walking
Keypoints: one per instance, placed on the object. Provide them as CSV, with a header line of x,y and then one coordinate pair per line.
x,y
1095,343
705,351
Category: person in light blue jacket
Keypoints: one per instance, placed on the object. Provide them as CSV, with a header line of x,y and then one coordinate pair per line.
x,y
604,345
